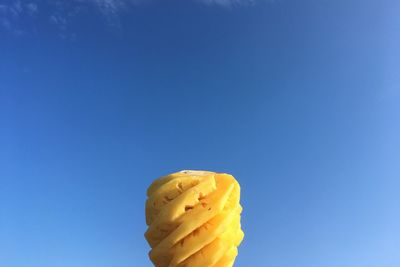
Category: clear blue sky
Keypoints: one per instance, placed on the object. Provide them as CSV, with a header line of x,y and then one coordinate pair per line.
x,y
300,100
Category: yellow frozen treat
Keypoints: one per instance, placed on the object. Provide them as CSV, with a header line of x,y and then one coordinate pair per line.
x,y
194,219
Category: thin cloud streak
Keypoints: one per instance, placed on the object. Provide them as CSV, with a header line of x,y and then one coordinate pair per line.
x,y
19,17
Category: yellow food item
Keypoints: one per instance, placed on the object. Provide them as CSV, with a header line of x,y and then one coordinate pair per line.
x,y
194,219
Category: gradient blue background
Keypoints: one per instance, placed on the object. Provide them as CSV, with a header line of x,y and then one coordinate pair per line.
x,y
300,100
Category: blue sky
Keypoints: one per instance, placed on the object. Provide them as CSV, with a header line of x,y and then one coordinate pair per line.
x,y
298,99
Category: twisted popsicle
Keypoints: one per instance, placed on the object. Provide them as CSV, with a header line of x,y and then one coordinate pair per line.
x,y
194,219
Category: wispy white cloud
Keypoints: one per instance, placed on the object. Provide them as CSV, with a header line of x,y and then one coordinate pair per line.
x,y
11,12
110,6
32,8
110,9
227,3
18,16
114,6
58,20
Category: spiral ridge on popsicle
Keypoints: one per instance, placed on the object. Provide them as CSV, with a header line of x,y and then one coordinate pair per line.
x,y
193,219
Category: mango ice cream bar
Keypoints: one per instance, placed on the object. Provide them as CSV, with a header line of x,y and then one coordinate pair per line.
x,y
193,219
